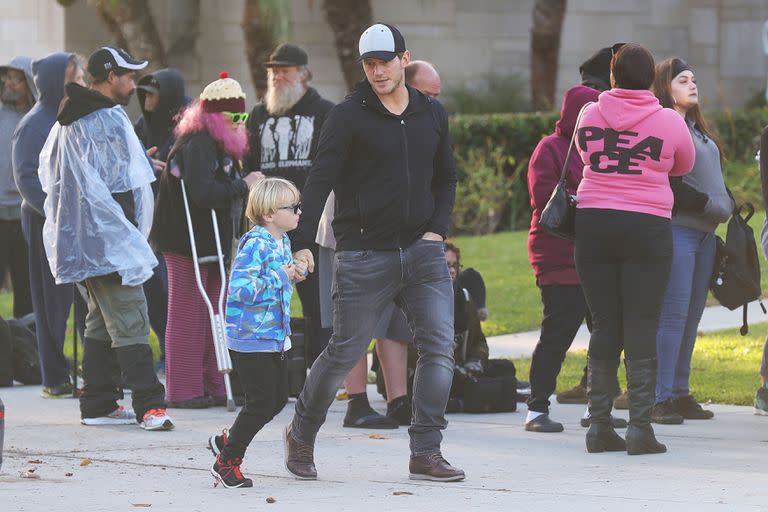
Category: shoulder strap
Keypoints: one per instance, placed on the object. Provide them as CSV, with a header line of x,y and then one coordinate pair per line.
x,y
573,139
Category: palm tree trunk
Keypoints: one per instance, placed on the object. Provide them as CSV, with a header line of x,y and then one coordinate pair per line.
x,y
348,19
259,42
133,27
548,18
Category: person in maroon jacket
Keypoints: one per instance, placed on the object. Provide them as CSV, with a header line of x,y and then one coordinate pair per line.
x,y
552,260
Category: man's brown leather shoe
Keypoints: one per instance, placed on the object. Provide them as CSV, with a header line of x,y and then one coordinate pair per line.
x,y
299,457
434,467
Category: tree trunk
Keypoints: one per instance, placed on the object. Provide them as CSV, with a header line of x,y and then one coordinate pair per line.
x,y
259,42
348,19
545,50
133,27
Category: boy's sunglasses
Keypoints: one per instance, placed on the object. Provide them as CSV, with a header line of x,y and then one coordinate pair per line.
x,y
296,207
237,117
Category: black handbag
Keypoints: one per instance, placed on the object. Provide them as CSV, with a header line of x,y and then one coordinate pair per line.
x,y
558,217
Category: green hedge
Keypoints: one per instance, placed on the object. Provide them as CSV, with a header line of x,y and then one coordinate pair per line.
x,y
517,135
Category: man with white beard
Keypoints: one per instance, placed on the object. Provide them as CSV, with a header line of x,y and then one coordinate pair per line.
x,y
283,131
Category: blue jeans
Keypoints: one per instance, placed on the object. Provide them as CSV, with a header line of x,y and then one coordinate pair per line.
x,y
692,263
364,284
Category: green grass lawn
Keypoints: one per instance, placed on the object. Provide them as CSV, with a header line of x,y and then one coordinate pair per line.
x,y
725,366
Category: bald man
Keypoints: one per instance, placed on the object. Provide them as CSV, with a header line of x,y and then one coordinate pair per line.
x,y
423,76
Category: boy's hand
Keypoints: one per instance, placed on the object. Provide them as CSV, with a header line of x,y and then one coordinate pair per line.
x,y
301,267
293,273
290,270
305,255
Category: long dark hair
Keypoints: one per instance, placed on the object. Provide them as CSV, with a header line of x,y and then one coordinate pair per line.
x,y
662,88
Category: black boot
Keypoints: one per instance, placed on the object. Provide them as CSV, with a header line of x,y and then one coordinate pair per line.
x,y
602,386
641,385
138,368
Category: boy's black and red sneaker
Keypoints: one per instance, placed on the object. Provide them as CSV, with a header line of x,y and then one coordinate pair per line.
x,y
217,443
228,474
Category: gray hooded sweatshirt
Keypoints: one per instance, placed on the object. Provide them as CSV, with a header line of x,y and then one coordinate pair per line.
x,y
10,199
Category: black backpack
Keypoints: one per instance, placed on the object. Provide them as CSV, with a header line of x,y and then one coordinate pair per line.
x,y
736,275
19,359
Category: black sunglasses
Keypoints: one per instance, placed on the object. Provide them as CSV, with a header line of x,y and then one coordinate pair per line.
x,y
295,207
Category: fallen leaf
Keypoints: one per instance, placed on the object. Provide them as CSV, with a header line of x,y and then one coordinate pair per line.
x,y
376,436
29,474
68,474
36,461
402,493
86,462
270,499
31,470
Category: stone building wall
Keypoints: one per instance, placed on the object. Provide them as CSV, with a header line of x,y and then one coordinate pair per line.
x,y
468,40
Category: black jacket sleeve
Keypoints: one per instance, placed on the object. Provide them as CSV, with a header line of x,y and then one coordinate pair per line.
x,y
252,161
332,155
444,177
199,163
686,197
128,205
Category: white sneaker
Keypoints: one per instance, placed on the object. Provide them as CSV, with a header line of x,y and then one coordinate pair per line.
x,y
156,419
120,416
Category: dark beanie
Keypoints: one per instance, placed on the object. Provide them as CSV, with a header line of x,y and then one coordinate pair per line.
x,y
596,70
678,66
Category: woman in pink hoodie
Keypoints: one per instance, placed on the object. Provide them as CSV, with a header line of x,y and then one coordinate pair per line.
x,y
630,146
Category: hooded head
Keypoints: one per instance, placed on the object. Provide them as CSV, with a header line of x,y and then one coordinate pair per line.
x,y
23,65
49,73
168,85
596,70
575,98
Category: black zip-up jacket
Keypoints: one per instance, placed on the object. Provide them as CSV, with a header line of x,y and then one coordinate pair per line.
x,y
394,176
212,182
283,146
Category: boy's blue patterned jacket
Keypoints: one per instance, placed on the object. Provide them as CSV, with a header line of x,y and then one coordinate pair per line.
x,y
259,297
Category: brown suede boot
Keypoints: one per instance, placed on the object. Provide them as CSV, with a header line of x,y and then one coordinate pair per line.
x,y
433,467
299,457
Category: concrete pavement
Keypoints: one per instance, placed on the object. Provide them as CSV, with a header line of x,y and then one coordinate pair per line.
x,y
714,465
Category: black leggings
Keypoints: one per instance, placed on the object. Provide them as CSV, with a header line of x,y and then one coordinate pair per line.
x,y
263,379
623,260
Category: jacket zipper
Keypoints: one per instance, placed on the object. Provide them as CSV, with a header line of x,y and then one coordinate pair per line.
x,y
407,181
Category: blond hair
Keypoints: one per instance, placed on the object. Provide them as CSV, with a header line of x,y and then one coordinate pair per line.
x,y
267,196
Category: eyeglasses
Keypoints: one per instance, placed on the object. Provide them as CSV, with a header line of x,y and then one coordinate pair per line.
x,y
296,207
455,265
237,117
615,48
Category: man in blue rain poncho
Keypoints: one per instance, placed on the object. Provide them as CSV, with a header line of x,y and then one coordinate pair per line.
x,y
98,212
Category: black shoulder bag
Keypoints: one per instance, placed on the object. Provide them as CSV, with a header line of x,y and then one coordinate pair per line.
x,y
558,217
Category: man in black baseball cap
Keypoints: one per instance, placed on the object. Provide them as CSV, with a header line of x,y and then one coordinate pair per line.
x,y
118,68
381,41
385,151
108,58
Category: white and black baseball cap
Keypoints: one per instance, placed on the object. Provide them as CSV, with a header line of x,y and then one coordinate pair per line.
x,y
381,41
108,58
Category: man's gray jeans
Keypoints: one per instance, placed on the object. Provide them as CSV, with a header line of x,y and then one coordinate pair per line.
x,y
365,282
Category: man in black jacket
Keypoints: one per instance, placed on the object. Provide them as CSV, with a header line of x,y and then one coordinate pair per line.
x,y
283,132
386,153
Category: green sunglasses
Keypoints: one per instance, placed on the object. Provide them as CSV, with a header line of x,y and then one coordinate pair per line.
x,y
237,117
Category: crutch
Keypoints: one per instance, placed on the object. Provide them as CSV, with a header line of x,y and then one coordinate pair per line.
x,y
223,360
